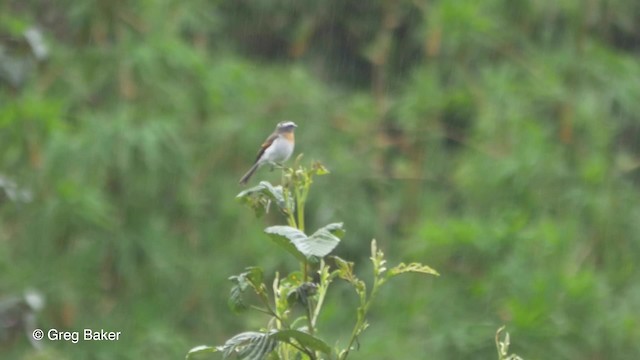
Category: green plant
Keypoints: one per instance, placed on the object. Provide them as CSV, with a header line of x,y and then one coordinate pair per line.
x,y
292,333
502,345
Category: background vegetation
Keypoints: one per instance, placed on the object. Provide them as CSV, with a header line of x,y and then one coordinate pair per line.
x,y
497,141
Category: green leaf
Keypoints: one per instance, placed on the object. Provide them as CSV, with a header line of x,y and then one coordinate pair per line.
x,y
236,302
319,244
303,338
319,169
250,278
286,237
198,350
202,349
249,345
323,241
336,229
262,195
345,269
345,272
412,268
255,275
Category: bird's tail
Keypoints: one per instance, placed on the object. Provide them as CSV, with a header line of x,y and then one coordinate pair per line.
x,y
249,173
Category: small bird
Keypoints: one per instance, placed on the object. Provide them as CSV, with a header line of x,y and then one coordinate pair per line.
x,y
277,148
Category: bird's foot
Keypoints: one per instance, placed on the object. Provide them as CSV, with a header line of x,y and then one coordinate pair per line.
x,y
275,165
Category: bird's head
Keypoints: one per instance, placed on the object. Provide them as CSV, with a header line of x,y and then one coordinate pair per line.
x,y
286,126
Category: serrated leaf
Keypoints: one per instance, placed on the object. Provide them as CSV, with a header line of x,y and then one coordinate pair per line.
x,y
255,275
260,206
249,345
412,268
337,229
323,241
260,196
252,277
235,302
303,338
319,244
286,237
257,350
263,188
202,349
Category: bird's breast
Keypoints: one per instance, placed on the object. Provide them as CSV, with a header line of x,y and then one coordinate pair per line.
x,y
280,150
288,136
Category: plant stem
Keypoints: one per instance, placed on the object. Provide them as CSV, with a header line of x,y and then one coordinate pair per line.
x,y
291,220
316,312
300,200
309,317
304,270
264,311
362,315
322,292
262,295
305,350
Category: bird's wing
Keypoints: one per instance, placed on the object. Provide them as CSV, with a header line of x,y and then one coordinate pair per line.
x,y
266,144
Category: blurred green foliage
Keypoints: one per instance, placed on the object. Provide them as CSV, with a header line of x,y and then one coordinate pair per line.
x,y
499,141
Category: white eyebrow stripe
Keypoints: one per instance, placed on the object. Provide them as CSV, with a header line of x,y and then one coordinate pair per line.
x,y
287,123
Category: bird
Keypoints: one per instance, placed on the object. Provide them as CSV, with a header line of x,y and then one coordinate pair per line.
x,y
276,149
